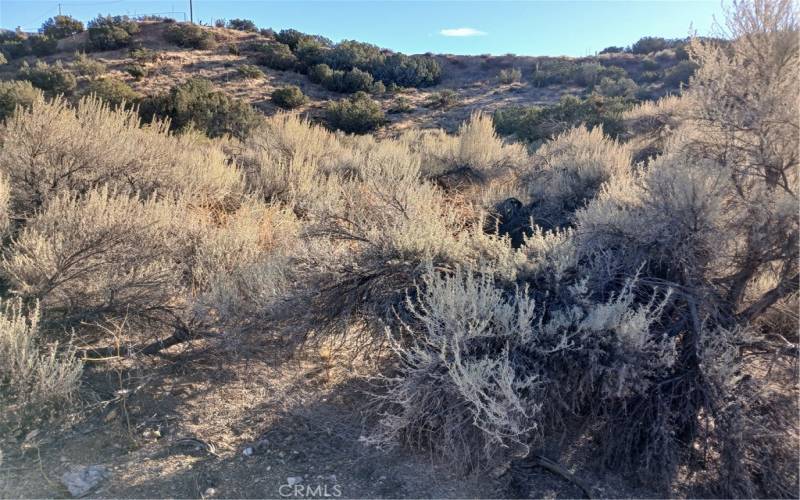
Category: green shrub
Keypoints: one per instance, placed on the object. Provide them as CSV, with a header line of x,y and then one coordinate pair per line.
x,y
613,49
53,79
679,74
401,105
113,90
649,44
442,100
319,73
111,32
242,25
624,87
43,45
250,71
13,94
196,103
290,37
649,64
137,71
277,56
14,49
190,36
348,82
358,114
288,97
553,72
511,75
144,55
88,66
532,123
59,27
649,76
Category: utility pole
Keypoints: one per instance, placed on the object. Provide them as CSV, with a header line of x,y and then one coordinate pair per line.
x,y
191,13
59,9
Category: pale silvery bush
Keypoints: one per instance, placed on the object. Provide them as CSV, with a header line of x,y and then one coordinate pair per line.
x,y
34,377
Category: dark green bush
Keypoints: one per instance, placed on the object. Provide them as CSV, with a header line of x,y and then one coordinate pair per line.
x,y
290,37
111,32
649,76
624,87
277,56
87,66
196,104
613,49
679,74
137,71
113,90
401,105
358,114
442,100
143,55
190,36
250,71
648,44
532,123
288,97
59,27
319,73
649,64
13,94
348,82
554,72
53,79
43,46
242,25
14,49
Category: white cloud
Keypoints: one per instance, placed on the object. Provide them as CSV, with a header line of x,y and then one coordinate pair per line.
x,y
461,32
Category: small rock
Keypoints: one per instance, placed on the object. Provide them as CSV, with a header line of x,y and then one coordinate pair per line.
x,y
210,492
81,481
292,480
248,452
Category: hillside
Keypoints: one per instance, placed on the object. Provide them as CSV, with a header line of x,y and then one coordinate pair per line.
x,y
473,80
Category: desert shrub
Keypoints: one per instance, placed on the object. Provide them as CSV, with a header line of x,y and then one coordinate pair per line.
x,y
59,27
624,87
534,123
219,23
190,36
409,71
242,25
649,76
553,72
111,32
278,56
3,59
35,378
88,66
442,100
143,55
137,71
114,91
43,45
250,71
195,103
679,74
569,171
358,114
649,64
13,94
288,97
507,76
320,73
96,256
401,105
649,44
613,49
53,79
290,37
310,51
52,148
348,82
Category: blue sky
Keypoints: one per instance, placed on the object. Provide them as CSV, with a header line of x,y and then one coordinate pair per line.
x,y
573,28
